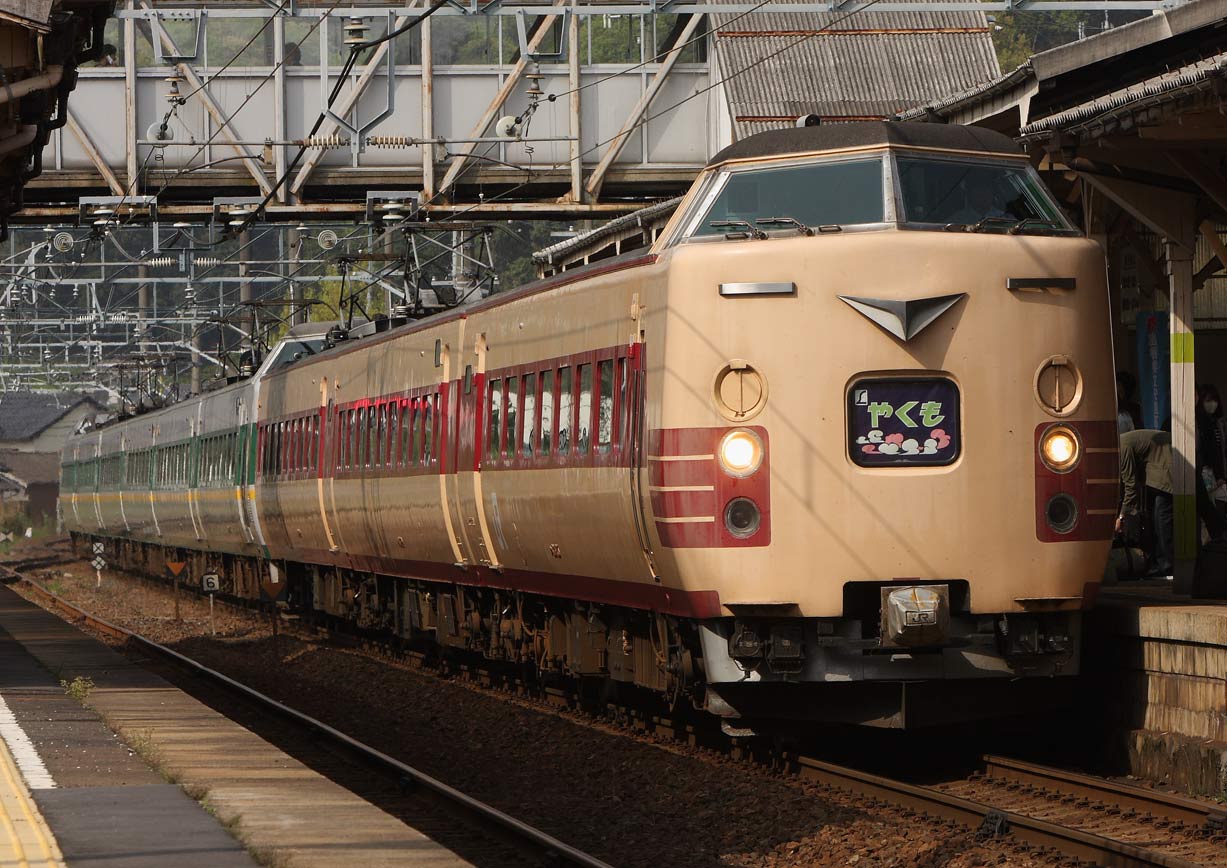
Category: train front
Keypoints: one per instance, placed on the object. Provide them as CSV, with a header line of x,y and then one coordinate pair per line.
x,y
882,429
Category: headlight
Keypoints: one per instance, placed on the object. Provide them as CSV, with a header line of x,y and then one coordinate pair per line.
x,y
742,517
1060,449
741,452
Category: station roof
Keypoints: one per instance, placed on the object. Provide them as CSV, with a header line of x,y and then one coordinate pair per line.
x,y
778,66
1093,73
799,140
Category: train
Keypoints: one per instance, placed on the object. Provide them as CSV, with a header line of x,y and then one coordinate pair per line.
x,y
836,444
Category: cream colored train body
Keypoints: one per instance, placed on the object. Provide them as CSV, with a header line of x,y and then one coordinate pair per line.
x,y
839,444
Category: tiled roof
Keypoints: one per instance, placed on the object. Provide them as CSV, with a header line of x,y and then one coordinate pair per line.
x,y
861,66
25,415
1172,83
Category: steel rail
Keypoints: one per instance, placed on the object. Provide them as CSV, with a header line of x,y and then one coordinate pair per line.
x,y
990,821
986,820
1182,809
554,851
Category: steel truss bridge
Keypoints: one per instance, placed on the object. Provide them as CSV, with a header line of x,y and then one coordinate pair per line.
x,y
146,270
599,133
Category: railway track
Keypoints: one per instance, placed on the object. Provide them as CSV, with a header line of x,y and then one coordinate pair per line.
x,y
987,820
1203,817
537,847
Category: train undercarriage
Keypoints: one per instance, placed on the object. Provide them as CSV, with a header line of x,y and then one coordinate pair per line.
x,y
602,651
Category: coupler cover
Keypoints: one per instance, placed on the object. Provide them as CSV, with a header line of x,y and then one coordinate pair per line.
x,y
916,616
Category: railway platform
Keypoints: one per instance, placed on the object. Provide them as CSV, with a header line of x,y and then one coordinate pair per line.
x,y
98,756
1161,664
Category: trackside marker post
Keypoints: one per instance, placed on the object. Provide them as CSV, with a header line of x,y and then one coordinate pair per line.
x,y
211,584
175,568
98,563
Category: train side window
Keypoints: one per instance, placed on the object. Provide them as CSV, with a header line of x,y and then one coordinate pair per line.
x,y
605,405
566,410
414,441
496,409
394,423
372,436
513,416
380,437
547,411
583,430
296,446
313,461
351,455
404,433
530,413
624,412
428,437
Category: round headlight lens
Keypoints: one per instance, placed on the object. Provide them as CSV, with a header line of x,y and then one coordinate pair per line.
x,y
742,517
1061,513
1060,449
741,452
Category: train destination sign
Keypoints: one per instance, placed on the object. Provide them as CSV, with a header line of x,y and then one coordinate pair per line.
x,y
903,422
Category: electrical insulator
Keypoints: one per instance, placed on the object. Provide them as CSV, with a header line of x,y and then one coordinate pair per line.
x,y
323,142
160,261
390,142
206,261
355,31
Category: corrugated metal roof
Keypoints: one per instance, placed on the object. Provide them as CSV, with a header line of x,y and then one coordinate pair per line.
x,y
640,217
866,65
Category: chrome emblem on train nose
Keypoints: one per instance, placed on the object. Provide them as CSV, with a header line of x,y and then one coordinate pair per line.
x,y
903,318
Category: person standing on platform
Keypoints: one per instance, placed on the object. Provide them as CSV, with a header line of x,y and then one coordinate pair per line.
x,y
1128,410
1146,469
1212,444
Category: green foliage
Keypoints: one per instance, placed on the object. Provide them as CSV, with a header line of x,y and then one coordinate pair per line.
x,y
1018,35
79,688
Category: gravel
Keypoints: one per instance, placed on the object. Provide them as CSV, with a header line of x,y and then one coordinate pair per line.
x,y
629,798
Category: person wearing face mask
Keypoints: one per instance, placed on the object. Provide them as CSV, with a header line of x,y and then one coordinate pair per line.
x,y
1212,443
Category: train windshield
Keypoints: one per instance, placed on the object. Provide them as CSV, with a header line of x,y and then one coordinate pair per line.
x,y
754,201
976,195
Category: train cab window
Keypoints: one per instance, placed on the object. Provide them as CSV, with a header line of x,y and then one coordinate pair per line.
x,y
530,414
583,430
513,416
496,412
979,195
778,199
566,410
547,411
605,405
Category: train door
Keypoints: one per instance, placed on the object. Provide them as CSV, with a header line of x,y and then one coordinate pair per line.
x,y
635,431
195,429
122,482
469,498
97,450
326,477
453,454
245,471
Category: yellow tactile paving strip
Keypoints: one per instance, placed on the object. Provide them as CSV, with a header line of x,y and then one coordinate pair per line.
x,y
25,839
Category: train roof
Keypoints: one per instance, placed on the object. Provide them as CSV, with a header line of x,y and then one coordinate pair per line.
x,y
862,134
